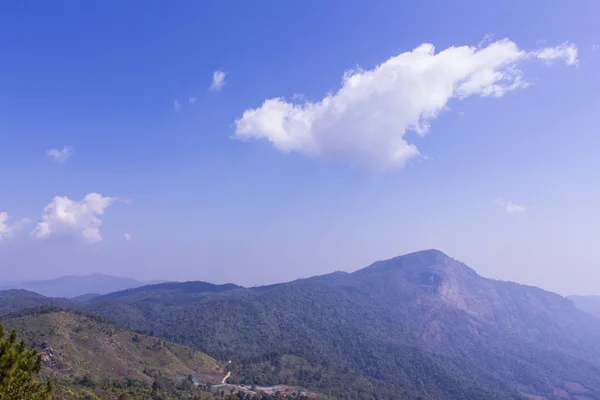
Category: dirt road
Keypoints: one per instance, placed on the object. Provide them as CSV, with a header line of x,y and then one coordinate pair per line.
x,y
224,381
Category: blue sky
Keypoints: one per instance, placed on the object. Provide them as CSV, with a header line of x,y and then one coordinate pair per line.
x,y
331,187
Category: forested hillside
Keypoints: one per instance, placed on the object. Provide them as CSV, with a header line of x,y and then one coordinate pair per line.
x,y
86,353
416,326
170,288
421,323
17,299
85,356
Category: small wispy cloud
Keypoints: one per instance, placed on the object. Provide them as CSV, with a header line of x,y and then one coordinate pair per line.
x,y
566,52
127,236
218,80
192,100
595,47
60,156
487,39
176,106
510,207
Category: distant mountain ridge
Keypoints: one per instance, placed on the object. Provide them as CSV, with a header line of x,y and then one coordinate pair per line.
x,y
588,304
17,299
190,287
74,285
86,297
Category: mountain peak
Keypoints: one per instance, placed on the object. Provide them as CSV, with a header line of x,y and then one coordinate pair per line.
x,y
425,273
419,260
428,254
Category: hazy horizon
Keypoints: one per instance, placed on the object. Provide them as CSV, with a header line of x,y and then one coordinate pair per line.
x,y
155,280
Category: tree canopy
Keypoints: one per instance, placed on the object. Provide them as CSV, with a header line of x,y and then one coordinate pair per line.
x,y
19,368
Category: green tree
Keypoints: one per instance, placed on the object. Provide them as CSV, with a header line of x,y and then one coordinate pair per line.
x,y
19,368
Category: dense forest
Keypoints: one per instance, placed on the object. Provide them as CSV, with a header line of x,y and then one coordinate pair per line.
x,y
85,356
420,325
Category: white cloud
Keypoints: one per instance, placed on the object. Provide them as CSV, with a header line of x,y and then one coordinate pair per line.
x,y
566,52
192,100
366,120
7,230
176,106
60,155
218,80
127,237
65,217
510,207
595,47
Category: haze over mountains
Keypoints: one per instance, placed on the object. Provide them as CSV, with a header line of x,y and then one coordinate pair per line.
x,y
589,304
417,325
73,285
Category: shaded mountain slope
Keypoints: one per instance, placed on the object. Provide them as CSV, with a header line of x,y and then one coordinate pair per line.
x,y
17,299
84,298
170,289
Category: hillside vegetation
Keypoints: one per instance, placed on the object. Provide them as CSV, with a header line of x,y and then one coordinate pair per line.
x,y
17,299
87,354
186,288
416,325
19,370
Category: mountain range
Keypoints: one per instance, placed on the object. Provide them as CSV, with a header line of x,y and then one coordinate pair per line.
x,y
418,326
74,285
399,322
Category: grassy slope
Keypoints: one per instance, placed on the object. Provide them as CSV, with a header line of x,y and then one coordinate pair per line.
x,y
89,345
